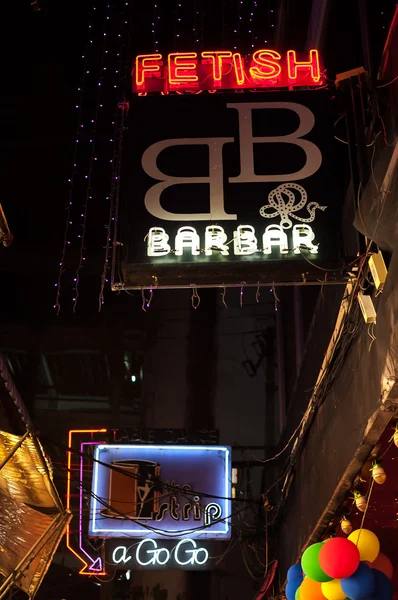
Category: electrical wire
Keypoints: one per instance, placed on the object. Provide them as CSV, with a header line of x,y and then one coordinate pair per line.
x,y
387,84
159,482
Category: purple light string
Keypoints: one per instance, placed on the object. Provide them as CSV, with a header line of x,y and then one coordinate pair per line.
x,y
271,21
156,18
252,21
68,209
238,24
202,28
195,24
93,158
177,24
117,123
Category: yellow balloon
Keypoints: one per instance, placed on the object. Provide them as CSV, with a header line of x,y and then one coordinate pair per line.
x,y
367,542
332,590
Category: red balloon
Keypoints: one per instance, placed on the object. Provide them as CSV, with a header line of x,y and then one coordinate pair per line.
x,y
339,558
383,564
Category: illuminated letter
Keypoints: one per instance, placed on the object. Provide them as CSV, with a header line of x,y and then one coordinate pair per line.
x,y
215,238
313,65
238,66
157,242
303,236
144,64
266,68
122,551
214,179
187,238
155,558
216,59
275,236
213,511
245,241
194,554
247,141
177,64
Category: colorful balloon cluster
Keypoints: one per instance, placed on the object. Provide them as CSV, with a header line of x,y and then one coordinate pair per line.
x,y
350,568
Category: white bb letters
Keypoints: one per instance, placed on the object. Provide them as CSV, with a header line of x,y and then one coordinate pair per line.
x,y
247,140
147,553
286,202
215,153
214,179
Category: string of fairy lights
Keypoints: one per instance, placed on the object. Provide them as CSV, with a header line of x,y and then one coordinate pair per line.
x,y
103,83
102,93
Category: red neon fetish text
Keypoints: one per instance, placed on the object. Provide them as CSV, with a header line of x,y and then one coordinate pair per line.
x,y
179,63
146,63
216,70
239,68
216,58
266,65
308,69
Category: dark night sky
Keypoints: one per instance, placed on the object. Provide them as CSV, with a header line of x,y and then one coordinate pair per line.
x,y
40,116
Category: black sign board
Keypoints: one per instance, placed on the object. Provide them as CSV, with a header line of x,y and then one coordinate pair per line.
x,y
225,188
172,437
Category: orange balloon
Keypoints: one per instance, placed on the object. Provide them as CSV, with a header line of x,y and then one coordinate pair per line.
x,y
383,564
311,590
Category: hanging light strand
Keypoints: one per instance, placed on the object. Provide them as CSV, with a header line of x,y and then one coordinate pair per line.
x,y
93,158
238,24
195,24
176,24
252,22
118,125
156,18
71,179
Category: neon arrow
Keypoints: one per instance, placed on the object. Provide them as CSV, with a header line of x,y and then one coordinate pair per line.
x,y
92,569
94,565
93,561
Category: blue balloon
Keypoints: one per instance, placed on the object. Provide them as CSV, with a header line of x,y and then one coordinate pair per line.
x,y
383,587
360,585
291,589
295,573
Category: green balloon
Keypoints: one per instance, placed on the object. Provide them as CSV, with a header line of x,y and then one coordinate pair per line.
x,y
310,564
297,596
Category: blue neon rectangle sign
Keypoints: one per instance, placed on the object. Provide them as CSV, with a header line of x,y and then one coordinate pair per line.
x,y
161,491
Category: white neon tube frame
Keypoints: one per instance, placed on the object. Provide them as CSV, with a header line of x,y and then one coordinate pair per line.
x,y
141,529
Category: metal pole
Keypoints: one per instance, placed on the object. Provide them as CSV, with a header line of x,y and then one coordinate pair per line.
x,y
298,322
117,287
15,448
281,371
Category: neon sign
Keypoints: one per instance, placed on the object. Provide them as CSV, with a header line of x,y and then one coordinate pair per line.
x,y
244,240
222,70
149,490
153,554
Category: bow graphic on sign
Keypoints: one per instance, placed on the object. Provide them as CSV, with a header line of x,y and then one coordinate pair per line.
x,y
286,209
